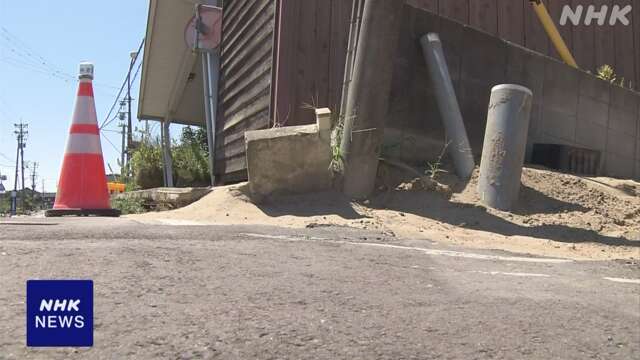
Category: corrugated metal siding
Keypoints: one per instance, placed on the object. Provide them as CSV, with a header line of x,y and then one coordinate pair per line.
x,y
245,80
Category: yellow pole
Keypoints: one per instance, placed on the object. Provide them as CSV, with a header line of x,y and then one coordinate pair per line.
x,y
553,33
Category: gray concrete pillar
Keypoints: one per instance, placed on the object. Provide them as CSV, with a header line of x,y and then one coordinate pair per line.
x,y
505,144
457,141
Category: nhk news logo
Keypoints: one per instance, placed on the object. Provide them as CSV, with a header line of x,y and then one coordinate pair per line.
x,y
59,313
601,16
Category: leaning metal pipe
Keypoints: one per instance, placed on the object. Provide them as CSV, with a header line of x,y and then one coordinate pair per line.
x,y
505,143
553,33
457,140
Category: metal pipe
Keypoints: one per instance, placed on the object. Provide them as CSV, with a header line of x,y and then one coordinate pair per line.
x,y
457,141
166,152
354,29
504,146
210,73
553,33
368,95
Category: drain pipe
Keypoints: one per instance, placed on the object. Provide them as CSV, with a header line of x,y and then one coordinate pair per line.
x,y
458,146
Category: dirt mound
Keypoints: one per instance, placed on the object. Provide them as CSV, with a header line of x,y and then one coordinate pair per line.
x,y
557,214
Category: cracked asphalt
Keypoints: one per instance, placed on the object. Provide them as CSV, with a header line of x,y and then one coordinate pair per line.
x,y
250,292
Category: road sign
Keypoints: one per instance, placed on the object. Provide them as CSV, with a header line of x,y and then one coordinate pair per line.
x,y
204,31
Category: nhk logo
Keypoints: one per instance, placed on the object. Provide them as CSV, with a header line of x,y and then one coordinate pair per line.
x,y
589,15
59,313
71,306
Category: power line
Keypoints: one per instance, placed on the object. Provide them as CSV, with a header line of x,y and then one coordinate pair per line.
x,y
26,58
6,157
115,117
124,83
112,144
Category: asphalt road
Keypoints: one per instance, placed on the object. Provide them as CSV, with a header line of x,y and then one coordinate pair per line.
x,y
246,292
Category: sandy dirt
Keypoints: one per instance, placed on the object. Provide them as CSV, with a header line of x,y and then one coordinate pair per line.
x,y
557,215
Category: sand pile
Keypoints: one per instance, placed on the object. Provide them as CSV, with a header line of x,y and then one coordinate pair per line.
x,y
557,214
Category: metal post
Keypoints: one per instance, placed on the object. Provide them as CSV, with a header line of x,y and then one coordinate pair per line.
x,y
123,150
129,122
368,96
458,142
354,30
553,33
210,73
504,145
166,152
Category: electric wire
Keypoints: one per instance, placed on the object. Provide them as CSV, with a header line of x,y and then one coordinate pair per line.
x,y
124,83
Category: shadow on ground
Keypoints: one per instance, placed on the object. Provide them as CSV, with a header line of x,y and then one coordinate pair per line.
x,y
438,207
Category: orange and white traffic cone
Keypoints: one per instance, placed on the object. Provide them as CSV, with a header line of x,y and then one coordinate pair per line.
x,y
82,188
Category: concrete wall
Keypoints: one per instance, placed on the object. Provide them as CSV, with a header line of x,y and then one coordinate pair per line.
x,y
570,106
289,160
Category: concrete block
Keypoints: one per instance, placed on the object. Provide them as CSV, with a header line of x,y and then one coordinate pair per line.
x,y
485,57
623,121
559,124
324,122
524,67
593,87
621,144
561,84
619,166
592,110
287,160
165,198
625,99
591,135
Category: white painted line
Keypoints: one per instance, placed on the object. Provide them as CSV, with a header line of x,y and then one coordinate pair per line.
x,y
625,281
423,250
511,274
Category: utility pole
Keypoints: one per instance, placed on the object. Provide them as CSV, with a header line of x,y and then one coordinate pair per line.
x,y
21,134
43,192
123,146
133,56
34,174
368,95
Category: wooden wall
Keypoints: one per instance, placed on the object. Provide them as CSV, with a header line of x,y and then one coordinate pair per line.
x,y
281,56
311,56
245,80
514,20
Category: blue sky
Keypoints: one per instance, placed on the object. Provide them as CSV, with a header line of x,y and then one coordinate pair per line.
x,y
62,34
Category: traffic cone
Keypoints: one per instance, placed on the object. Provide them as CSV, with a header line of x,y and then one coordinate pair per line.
x,y
82,188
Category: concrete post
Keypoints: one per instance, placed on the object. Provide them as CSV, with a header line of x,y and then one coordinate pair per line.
x,y
323,120
368,95
504,146
458,142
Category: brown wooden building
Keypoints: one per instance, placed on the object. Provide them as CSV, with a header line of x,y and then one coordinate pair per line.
x,y
278,55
